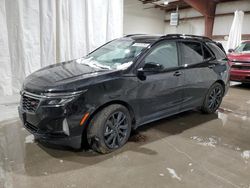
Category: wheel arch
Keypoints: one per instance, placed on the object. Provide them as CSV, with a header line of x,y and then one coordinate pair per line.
x,y
123,103
222,83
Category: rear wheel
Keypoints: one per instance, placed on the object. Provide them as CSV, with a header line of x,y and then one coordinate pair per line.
x,y
109,129
213,98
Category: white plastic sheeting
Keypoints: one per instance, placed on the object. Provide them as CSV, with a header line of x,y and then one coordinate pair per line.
x,y
236,30
36,33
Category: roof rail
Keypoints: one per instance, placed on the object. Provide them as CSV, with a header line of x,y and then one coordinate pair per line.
x,y
185,36
130,35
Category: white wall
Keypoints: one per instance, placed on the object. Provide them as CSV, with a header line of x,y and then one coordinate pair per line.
x,y
194,26
139,19
222,24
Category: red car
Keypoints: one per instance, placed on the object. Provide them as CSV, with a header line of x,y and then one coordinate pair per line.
x,y
240,63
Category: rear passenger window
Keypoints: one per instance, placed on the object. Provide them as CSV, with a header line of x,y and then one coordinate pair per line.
x,y
219,54
191,52
207,54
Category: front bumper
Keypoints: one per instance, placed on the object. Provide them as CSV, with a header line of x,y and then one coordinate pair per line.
x,y
53,125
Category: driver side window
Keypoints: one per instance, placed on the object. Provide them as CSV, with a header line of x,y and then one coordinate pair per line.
x,y
164,54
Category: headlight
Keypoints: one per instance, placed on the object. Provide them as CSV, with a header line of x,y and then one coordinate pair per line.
x,y
59,101
64,94
61,98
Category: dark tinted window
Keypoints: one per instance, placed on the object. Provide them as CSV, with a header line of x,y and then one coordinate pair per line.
x,y
191,52
243,47
219,54
207,54
164,54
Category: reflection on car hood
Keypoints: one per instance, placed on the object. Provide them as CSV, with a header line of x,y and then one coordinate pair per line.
x,y
63,76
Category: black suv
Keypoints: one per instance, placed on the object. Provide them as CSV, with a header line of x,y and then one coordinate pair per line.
x,y
123,84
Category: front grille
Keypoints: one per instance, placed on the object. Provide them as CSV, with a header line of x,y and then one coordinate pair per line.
x,y
29,104
31,127
240,67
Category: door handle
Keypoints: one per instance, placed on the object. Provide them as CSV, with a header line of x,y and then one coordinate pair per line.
x,y
211,66
177,73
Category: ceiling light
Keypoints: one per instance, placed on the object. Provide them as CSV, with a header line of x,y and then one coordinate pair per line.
x,y
165,3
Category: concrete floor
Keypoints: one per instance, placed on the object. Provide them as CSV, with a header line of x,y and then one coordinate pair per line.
x,y
187,150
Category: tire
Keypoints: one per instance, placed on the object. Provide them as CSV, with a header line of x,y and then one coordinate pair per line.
x,y
104,134
213,98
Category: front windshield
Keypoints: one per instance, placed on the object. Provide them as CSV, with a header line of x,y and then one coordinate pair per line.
x,y
243,48
117,54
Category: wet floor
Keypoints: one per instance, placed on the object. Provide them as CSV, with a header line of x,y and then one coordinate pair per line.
x,y
187,150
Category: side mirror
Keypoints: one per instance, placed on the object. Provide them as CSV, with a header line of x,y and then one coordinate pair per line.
x,y
149,68
231,50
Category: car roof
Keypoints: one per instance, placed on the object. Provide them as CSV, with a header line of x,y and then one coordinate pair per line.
x,y
144,38
153,38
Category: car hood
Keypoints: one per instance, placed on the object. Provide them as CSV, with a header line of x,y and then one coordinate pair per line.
x,y
67,76
242,57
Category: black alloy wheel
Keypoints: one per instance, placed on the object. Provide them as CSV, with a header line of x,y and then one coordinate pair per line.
x,y
116,130
213,98
109,129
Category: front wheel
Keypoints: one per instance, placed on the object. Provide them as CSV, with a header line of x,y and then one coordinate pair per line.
x,y
109,129
213,98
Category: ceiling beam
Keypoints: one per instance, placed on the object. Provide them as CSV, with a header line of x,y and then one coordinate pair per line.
x,y
202,17
148,1
207,9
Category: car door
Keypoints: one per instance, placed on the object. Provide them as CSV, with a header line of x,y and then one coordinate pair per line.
x,y
160,93
198,72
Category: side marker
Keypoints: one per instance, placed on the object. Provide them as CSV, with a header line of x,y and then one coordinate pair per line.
x,y
84,119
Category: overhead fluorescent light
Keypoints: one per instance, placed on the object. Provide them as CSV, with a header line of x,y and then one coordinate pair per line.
x,y
165,2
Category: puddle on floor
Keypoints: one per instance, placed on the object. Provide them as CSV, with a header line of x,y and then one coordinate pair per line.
x,y
137,137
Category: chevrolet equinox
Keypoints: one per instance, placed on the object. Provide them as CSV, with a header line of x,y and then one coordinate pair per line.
x,y
121,85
